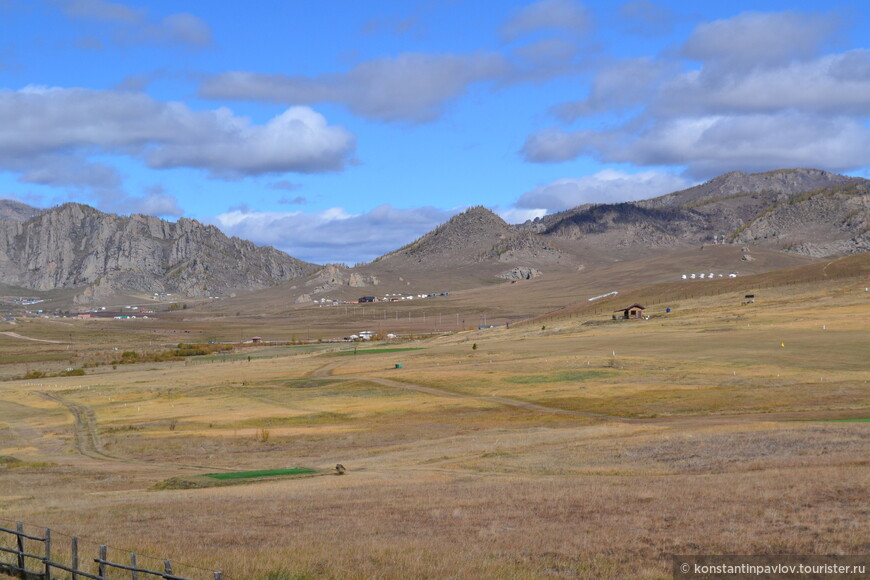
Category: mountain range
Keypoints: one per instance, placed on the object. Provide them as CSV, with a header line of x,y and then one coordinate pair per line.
x,y
805,212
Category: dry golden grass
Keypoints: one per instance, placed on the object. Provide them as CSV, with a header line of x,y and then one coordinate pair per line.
x,y
538,454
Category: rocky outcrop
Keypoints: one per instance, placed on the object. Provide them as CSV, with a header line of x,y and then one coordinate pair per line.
x,y
521,273
334,276
75,245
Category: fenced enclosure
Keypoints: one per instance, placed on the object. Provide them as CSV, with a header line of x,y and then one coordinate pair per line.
x,y
31,554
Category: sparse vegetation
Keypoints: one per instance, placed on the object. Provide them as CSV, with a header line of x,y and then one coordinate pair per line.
x,y
548,456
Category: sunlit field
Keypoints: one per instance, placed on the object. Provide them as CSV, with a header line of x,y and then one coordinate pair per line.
x,y
571,447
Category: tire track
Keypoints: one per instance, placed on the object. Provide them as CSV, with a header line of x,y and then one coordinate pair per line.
x,y
326,371
87,439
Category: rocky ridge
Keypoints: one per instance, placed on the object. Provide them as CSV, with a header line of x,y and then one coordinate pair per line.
x,y
74,245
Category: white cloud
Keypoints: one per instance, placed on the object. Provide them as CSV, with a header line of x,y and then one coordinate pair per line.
x,y
333,235
39,123
755,39
184,28
548,15
517,216
833,84
554,145
133,26
707,146
607,186
409,87
298,139
623,84
646,18
762,96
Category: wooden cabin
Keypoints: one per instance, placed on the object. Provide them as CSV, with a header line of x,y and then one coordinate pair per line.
x,y
633,312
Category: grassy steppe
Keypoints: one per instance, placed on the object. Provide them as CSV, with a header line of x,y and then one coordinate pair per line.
x,y
575,448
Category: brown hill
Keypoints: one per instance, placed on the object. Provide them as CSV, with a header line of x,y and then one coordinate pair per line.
x,y
804,211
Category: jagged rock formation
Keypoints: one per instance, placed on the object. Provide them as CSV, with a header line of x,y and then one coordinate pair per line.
x,y
803,211
75,245
334,276
520,273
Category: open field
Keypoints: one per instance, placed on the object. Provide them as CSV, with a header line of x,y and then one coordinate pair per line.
x,y
570,446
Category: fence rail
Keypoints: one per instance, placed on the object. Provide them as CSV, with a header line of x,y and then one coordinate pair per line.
x,y
30,566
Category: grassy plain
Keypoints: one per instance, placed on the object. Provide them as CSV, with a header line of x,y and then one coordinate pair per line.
x,y
572,447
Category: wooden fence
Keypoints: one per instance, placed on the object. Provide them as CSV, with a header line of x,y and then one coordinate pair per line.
x,y
30,566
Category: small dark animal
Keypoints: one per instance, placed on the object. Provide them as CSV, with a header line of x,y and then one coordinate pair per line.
x,y
339,469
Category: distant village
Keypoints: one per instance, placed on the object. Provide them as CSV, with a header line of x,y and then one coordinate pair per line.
x,y
384,298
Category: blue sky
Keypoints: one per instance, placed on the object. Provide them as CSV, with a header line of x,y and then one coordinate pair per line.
x,y
340,131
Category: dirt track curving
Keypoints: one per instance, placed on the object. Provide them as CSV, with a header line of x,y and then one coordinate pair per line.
x,y
87,439
16,335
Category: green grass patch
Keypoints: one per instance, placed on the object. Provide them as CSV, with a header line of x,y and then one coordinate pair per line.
x,y
261,473
375,351
560,377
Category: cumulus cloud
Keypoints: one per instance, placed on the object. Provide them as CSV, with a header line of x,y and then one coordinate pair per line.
x,y
646,18
623,84
298,139
133,26
183,28
63,171
832,84
707,146
155,202
754,39
334,235
409,87
39,123
548,15
607,186
763,95
554,145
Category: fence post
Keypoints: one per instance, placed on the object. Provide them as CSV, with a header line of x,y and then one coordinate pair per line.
x,y
101,568
167,566
218,576
75,558
47,571
21,562
134,573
